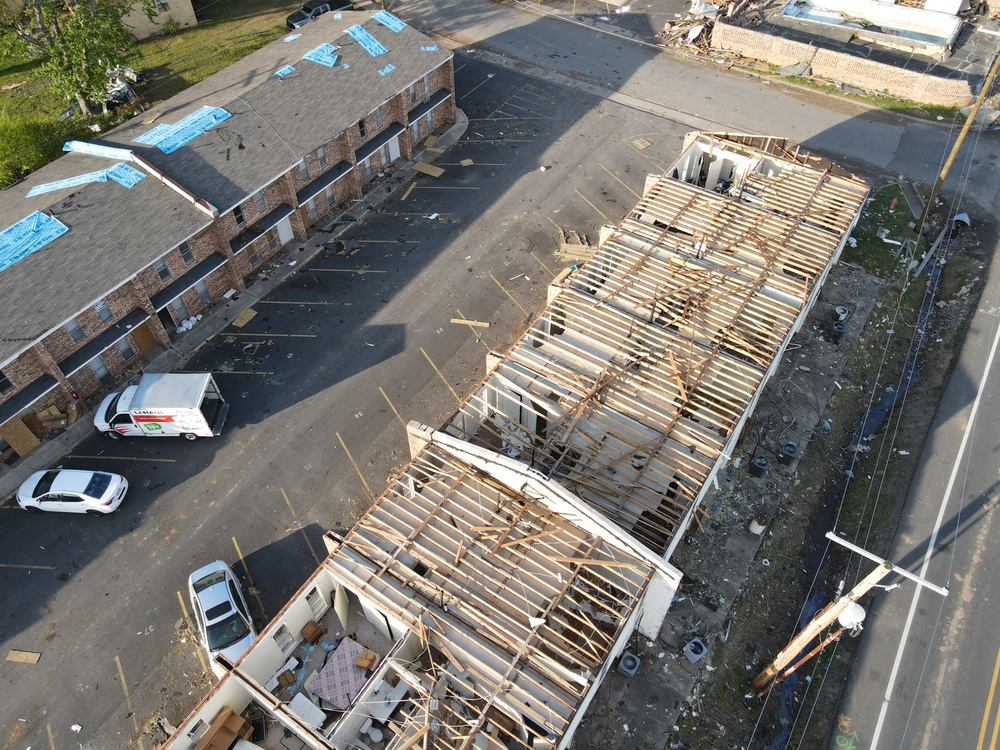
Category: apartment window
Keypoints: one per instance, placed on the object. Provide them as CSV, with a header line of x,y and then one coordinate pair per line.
x,y
413,93
259,202
100,370
321,155
378,119
186,253
180,310
316,602
125,347
363,129
202,288
253,257
328,192
283,638
75,331
427,84
238,215
162,270
5,385
368,167
311,208
272,240
303,170
103,311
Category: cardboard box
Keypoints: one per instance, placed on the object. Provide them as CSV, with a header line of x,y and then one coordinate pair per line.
x,y
366,660
286,678
312,632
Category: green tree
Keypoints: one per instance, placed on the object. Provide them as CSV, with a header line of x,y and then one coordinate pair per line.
x,y
79,41
27,143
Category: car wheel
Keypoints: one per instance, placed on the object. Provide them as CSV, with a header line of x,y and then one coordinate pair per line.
x,y
93,512
189,436
34,509
113,435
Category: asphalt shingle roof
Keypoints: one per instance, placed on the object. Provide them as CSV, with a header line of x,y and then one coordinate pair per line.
x,y
115,232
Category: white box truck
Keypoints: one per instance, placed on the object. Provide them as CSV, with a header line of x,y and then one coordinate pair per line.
x,y
164,405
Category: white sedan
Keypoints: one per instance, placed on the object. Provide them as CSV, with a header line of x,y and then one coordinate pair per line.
x,y
96,493
223,618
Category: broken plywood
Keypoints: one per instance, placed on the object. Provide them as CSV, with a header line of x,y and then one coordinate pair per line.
x,y
244,317
428,169
23,657
18,436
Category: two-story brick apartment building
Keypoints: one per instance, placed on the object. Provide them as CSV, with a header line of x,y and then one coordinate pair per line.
x,y
105,252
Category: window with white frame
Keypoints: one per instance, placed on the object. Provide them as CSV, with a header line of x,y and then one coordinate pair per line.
x,y
240,218
311,208
272,239
202,288
125,348
304,170
316,602
378,118
5,385
328,192
363,129
186,253
253,257
413,93
321,155
102,310
427,84
161,269
284,639
75,331
260,202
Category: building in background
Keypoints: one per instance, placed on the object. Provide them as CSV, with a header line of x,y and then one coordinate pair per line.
x,y
106,252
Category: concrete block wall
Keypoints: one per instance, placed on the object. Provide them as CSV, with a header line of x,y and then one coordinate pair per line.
x,y
865,74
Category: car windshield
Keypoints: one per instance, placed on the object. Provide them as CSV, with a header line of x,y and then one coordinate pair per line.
x,y
97,485
45,483
224,634
112,408
210,580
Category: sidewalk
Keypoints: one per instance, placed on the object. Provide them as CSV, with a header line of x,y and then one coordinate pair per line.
x,y
274,273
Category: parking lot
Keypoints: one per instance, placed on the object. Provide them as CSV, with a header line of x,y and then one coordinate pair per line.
x,y
322,378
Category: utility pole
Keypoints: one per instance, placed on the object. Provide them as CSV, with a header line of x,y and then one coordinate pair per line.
x,y
847,605
983,91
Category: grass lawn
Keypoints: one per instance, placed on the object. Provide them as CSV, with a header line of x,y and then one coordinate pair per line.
x,y
231,29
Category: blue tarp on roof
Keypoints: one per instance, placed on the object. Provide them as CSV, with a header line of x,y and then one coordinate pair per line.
x,y
28,235
96,149
80,179
124,174
363,37
323,54
285,71
121,173
390,21
169,138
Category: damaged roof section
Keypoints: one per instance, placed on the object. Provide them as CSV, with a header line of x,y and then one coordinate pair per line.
x,y
485,616
633,384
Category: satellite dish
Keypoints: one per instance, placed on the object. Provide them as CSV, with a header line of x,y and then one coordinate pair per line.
x,y
852,616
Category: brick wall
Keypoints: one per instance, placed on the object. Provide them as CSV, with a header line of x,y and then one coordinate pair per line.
x,y
836,66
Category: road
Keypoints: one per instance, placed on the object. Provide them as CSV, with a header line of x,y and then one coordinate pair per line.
x,y
927,671
349,343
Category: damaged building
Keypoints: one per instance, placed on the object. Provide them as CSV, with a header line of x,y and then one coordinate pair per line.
x,y
485,595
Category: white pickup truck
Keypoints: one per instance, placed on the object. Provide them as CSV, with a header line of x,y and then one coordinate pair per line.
x,y
189,405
